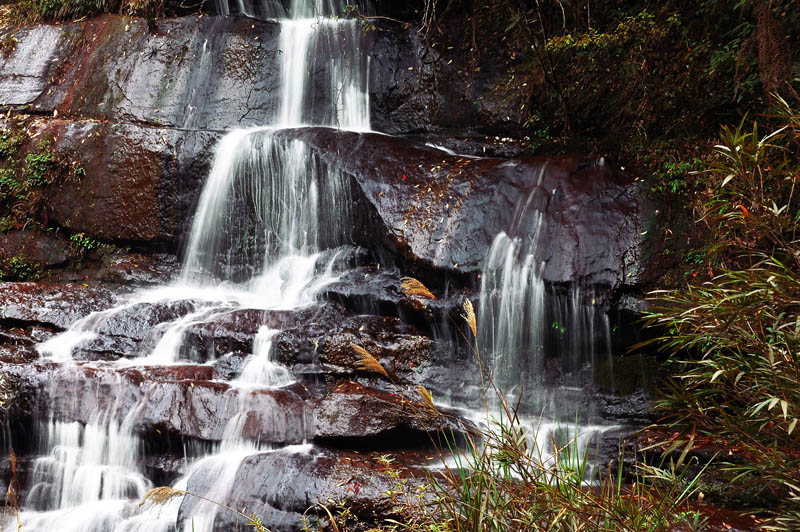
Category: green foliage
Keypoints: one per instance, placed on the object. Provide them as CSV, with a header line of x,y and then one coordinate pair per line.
x,y
83,242
672,178
19,268
38,166
10,142
34,11
734,340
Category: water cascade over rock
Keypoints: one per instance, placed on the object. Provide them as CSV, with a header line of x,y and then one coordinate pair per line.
x,y
238,380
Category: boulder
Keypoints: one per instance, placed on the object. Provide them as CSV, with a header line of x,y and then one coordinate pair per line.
x,y
279,486
435,212
131,268
378,291
366,417
324,345
40,249
139,184
54,306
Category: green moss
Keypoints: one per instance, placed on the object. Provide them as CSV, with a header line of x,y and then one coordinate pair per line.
x,y
26,173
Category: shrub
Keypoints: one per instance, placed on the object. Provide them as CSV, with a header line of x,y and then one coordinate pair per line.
x,y
734,340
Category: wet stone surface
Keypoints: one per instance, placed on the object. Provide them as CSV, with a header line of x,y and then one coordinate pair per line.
x,y
54,306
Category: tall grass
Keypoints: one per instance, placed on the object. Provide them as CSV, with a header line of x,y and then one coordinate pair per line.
x,y
734,340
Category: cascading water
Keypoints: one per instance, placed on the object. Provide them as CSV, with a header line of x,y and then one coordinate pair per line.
x,y
266,213
532,335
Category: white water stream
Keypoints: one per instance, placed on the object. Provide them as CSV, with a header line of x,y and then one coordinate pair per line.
x,y
89,477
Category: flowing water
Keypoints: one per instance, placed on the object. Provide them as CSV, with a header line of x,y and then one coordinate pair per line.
x,y
89,477
268,213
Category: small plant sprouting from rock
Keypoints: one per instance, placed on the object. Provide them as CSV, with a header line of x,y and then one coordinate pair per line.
x,y
83,242
19,268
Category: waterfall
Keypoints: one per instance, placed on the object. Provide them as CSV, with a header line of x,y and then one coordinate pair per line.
x,y
268,212
269,226
536,339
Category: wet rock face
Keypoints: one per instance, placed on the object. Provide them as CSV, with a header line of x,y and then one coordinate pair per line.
x,y
40,249
216,72
353,411
280,486
131,268
56,306
326,344
202,73
184,402
139,183
126,332
437,212
142,181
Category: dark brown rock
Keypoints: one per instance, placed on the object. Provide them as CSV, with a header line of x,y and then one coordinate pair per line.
x,y
130,268
215,72
280,486
33,247
139,184
56,306
352,412
436,212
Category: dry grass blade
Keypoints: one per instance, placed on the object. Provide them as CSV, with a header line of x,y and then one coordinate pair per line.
x,y
367,362
413,287
427,398
469,317
12,495
161,496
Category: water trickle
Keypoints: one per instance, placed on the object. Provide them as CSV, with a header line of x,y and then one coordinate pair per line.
x,y
537,338
260,369
266,200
